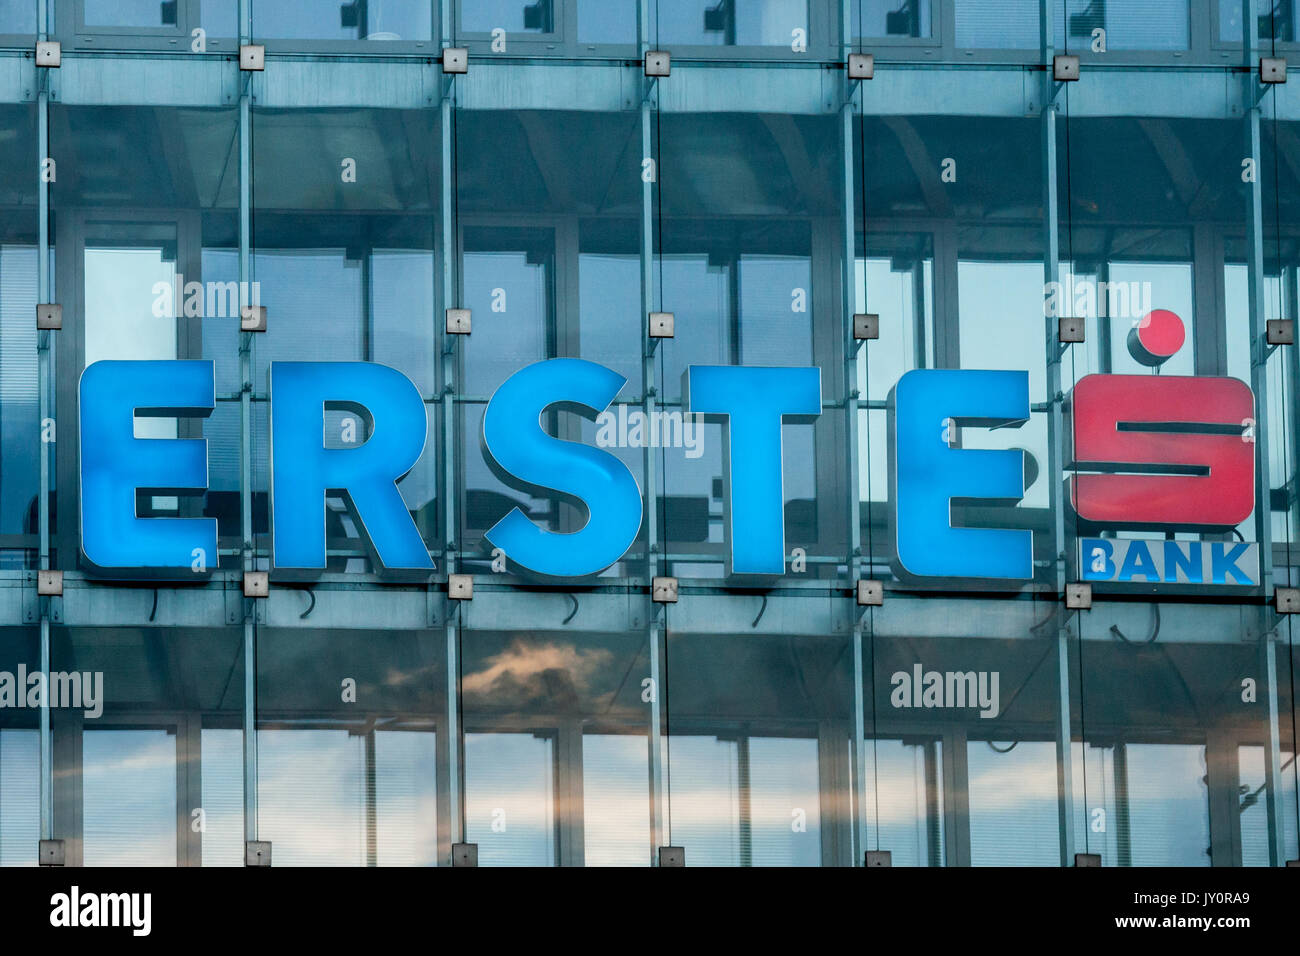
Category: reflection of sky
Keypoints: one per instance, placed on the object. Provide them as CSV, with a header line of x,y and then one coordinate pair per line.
x,y
758,22
20,792
128,788
510,784
1129,24
311,797
19,412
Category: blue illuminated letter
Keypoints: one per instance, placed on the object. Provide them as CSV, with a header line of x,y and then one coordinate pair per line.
x,y
114,464
303,470
929,406
751,404
525,456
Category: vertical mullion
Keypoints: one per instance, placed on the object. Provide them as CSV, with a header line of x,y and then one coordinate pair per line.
x,y
1252,92
246,430
852,394
448,287
45,359
656,629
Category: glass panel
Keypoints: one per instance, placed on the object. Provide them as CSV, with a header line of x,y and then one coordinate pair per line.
x,y
150,271
222,771
615,800
378,20
607,21
904,804
129,798
17,16
20,445
129,13
510,798
344,262
348,760
20,808
736,269
1277,20
1013,826
732,22
130,713
892,18
556,738
748,767
1126,24
550,268
525,16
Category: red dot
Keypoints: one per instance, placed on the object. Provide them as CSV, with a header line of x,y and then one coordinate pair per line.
x,y
1161,332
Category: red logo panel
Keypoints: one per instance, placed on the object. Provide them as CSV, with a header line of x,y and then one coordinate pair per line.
x,y
1176,452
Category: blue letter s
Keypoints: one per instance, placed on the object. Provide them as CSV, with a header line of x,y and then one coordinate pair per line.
x,y
525,456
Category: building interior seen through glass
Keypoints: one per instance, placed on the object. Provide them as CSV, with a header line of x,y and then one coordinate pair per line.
x,y
1013,581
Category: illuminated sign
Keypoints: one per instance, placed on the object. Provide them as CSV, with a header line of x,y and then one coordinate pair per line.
x,y
1146,452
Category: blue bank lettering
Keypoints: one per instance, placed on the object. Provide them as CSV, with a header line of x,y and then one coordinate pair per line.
x,y
115,464
304,471
928,406
751,404
526,457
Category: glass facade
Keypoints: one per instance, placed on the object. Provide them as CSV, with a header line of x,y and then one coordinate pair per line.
x,y
985,215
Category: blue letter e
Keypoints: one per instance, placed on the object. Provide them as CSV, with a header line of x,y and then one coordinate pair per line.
x,y
523,455
304,471
115,464
929,406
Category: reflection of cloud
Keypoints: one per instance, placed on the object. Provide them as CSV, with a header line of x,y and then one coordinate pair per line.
x,y
523,661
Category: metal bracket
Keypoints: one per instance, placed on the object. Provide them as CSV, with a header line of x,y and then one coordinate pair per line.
x,y
1069,331
52,853
252,57
257,584
672,856
1287,600
459,321
866,327
661,325
460,587
878,858
252,318
49,54
49,316
464,854
663,590
870,593
1279,332
1087,859
257,853
1078,596
49,583
1272,70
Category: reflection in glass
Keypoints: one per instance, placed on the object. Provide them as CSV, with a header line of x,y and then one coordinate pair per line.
x,y
904,804
222,774
615,800
732,22
745,801
379,20
891,18
20,790
128,787
1013,825
510,798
